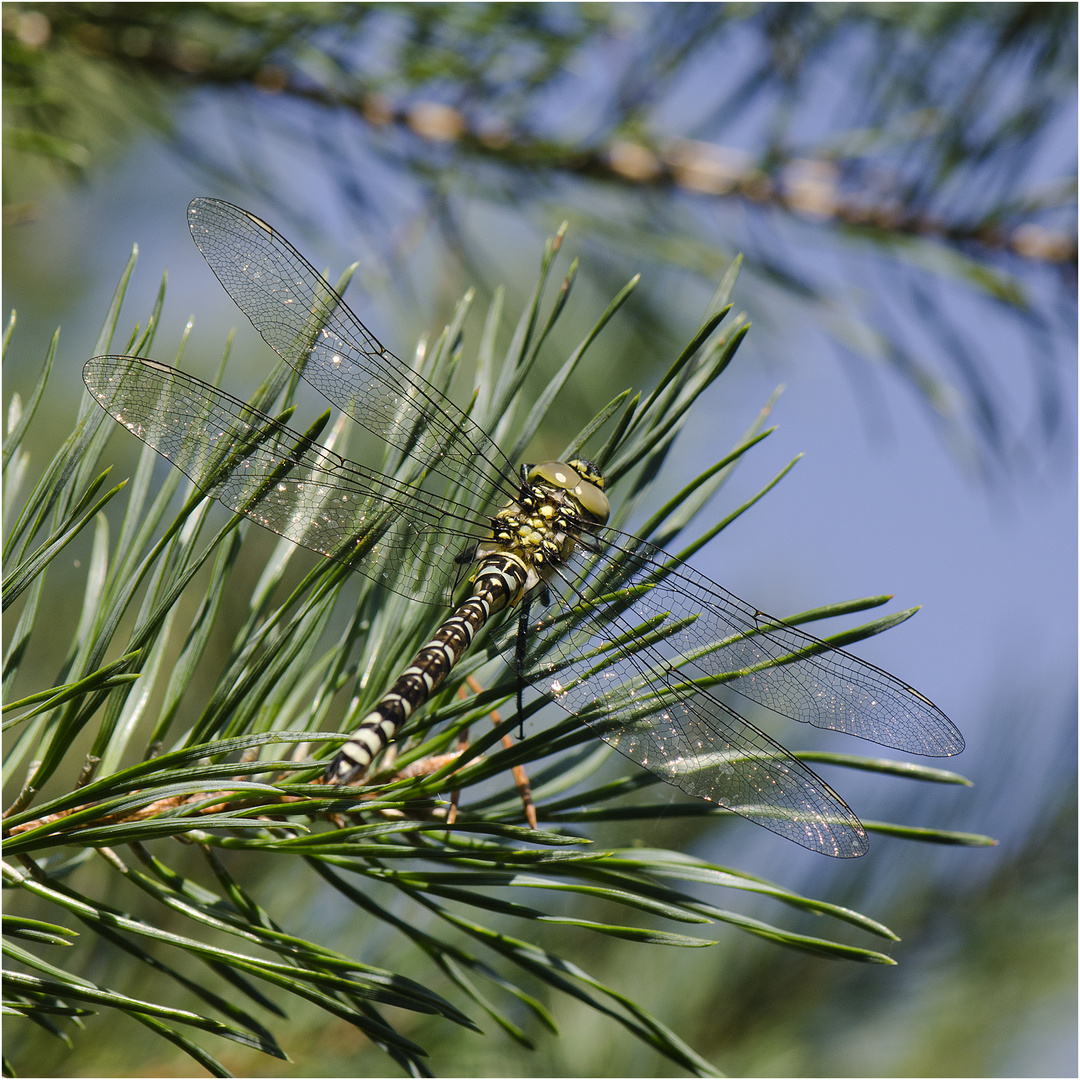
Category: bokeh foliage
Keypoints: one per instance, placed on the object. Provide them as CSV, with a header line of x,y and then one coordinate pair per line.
x,y
678,133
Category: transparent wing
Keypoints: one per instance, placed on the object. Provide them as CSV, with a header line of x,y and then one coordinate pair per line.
x,y
639,645
312,329
284,481
718,639
693,740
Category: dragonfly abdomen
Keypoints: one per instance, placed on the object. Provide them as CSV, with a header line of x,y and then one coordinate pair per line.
x,y
499,583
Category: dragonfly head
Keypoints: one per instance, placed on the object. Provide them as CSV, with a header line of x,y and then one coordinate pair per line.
x,y
581,478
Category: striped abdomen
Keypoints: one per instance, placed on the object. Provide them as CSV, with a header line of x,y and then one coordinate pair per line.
x,y
558,502
499,583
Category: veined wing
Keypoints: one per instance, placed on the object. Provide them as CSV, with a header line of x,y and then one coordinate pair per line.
x,y
691,739
706,634
637,644
312,329
285,482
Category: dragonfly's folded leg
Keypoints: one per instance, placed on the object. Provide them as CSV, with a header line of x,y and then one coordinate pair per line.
x,y
521,779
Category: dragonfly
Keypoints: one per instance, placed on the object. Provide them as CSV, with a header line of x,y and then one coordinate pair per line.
x,y
639,645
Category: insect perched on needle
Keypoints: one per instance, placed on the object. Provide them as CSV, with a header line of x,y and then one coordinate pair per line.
x,y
638,644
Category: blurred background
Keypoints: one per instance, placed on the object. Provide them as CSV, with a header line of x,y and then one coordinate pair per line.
x,y
901,183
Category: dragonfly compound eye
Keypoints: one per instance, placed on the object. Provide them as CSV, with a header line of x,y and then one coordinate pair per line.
x,y
556,474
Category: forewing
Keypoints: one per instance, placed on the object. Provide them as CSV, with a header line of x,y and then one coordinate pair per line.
x,y
718,639
311,328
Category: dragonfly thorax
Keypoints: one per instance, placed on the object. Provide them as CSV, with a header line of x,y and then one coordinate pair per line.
x,y
540,528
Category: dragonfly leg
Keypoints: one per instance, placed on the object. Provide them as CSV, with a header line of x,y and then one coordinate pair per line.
x,y
455,795
463,560
521,779
519,661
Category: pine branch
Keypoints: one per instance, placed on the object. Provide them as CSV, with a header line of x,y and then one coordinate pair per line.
x,y
234,781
